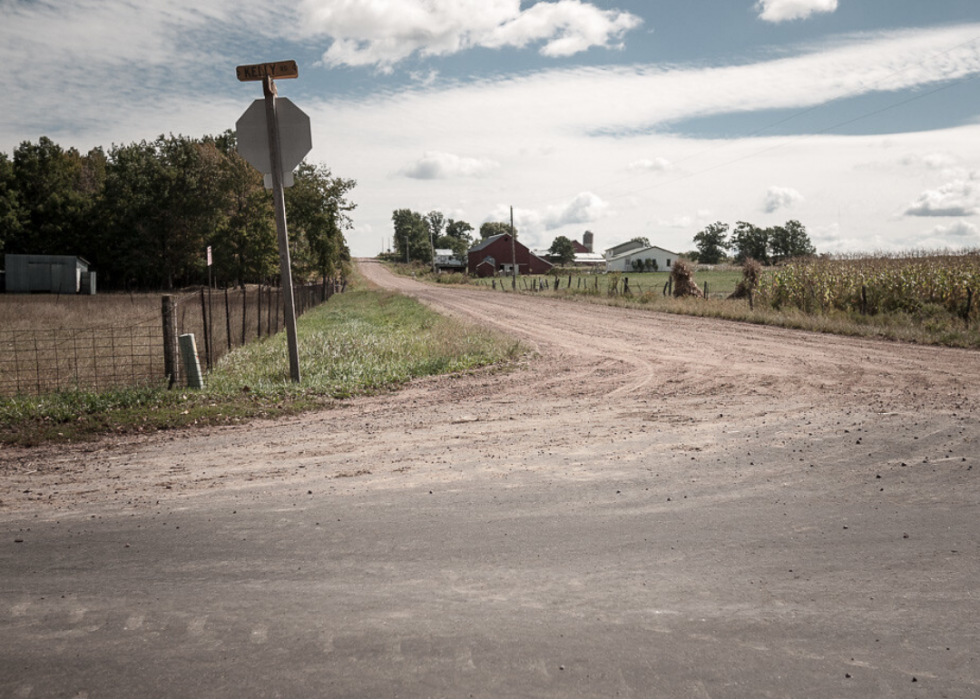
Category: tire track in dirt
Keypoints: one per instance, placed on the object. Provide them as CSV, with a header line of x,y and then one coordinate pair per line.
x,y
671,355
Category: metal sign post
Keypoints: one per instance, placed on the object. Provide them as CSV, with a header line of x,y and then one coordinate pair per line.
x,y
299,144
279,203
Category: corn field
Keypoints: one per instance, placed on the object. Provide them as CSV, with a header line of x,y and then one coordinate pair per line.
x,y
911,284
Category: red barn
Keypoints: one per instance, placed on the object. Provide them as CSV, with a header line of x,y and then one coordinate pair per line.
x,y
492,256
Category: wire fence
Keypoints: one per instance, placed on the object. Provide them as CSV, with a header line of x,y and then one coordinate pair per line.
x,y
44,361
40,361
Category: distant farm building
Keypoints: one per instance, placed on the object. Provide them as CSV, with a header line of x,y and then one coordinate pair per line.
x,y
447,261
493,256
641,258
55,274
623,248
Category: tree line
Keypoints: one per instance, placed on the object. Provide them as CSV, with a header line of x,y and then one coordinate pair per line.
x,y
766,245
143,214
418,235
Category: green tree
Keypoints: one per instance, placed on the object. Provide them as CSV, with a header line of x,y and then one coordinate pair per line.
x,y
562,251
411,236
55,196
750,241
318,212
245,246
790,240
458,233
712,243
162,205
10,211
642,240
492,228
437,223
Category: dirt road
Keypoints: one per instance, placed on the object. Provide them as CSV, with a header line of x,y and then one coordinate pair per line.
x,y
653,506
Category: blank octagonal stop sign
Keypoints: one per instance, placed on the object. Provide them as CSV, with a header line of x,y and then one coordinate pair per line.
x,y
295,138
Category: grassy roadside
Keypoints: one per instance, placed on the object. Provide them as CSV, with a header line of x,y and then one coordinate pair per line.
x,y
361,342
922,323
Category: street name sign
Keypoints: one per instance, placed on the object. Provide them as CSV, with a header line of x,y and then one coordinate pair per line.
x,y
260,71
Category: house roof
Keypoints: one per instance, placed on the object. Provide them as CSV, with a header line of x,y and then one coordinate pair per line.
x,y
617,250
445,252
631,253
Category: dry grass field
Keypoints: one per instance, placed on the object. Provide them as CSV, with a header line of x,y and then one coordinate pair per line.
x,y
53,311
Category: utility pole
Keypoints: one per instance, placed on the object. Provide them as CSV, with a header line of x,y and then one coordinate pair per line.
x,y
513,254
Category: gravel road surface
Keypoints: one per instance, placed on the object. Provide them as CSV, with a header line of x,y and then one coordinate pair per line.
x,y
650,506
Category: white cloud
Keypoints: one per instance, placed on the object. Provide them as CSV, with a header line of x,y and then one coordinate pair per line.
x,y
785,10
956,198
961,231
655,165
780,198
381,33
585,208
685,221
930,161
436,165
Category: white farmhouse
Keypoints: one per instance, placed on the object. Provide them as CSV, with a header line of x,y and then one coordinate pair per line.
x,y
653,258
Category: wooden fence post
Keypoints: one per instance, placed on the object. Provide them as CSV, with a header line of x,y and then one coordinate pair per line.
x,y
169,314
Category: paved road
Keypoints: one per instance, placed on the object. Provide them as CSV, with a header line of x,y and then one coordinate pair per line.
x,y
653,507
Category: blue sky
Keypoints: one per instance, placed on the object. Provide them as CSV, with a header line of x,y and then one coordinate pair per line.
x,y
861,118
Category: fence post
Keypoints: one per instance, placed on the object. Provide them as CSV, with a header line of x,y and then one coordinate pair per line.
x,y
207,339
244,310
228,318
169,314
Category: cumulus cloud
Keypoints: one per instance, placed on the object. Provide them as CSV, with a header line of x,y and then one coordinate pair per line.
x,y
437,165
587,207
785,10
381,33
584,208
957,198
780,198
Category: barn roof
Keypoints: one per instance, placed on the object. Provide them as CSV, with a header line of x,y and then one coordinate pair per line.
x,y
488,241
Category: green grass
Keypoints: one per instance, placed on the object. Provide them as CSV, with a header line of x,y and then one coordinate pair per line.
x,y
928,325
358,343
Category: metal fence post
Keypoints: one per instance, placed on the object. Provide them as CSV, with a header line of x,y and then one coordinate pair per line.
x,y
169,313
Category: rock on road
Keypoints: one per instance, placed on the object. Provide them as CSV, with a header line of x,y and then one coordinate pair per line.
x,y
652,506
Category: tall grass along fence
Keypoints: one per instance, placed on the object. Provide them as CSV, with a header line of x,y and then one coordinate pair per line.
x,y
143,350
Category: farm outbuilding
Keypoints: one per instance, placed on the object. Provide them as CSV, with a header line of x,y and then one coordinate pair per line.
x,y
498,249
653,258
56,274
447,261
